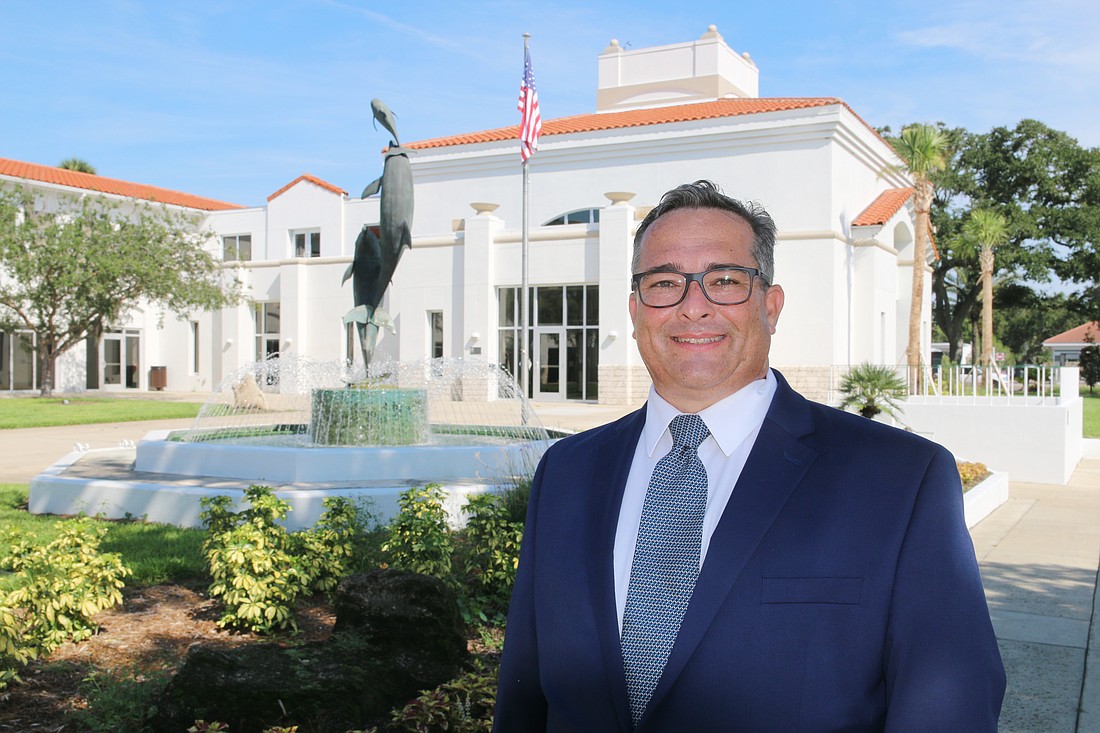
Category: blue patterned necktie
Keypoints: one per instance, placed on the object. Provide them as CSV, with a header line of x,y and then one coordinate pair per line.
x,y
666,560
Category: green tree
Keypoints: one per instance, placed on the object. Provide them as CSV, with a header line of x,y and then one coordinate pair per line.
x,y
70,267
77,164
1047,187
1025,318
986,229
1089,362
924,149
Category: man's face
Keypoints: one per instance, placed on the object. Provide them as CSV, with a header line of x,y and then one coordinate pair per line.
x,y
697,352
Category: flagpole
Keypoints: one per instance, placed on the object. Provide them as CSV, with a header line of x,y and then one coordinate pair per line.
x,y
525,366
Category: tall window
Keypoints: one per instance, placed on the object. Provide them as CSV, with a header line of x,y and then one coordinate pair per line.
x,y
267,330
307,243
194,347
435,333
237,247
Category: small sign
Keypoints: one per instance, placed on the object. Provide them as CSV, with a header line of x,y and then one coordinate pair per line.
x,y
1000,356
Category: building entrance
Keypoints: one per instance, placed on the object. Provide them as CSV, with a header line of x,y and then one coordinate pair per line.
x,y
563,356
120,360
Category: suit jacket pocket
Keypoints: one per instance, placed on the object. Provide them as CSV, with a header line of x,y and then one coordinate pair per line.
x,y
844,591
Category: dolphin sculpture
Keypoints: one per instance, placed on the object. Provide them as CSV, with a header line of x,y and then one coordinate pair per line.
x,y
376,257
383,114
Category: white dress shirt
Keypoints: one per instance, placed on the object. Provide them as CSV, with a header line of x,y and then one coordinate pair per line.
x,y
734,423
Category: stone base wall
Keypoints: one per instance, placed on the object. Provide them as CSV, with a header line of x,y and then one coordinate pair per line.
x,y
620,385
817,383
623,385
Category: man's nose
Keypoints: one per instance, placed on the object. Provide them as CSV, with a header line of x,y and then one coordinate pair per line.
x,y
695,302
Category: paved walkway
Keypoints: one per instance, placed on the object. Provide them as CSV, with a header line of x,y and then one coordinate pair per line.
x,y
1039,554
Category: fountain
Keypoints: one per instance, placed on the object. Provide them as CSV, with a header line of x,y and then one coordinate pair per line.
x,y
313,429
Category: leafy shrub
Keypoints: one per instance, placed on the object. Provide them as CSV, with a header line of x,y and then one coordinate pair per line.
x,y
64,584
260,569
516,498
118,700
326,550
58,589
463,705
14,650
419,539
255,573
971,474
493,540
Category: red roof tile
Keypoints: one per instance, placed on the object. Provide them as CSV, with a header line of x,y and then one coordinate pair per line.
x,y
312,179
89,182
1077,335
888,203
641,117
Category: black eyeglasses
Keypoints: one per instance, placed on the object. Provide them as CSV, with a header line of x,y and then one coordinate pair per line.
x,y
723,285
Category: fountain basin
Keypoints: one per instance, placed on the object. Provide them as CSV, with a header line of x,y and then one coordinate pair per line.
x,y
175,477
463,425
432,463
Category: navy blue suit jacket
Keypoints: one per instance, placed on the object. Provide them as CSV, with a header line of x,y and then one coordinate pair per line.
x,y
840,592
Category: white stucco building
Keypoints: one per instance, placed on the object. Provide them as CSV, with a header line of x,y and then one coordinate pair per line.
x,y
664,116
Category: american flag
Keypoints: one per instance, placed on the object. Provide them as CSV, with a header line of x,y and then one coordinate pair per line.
x,y
530,124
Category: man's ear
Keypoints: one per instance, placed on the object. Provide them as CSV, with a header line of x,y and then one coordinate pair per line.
x,y
773,304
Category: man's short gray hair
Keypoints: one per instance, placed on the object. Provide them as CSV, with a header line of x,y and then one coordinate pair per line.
x,y
705,194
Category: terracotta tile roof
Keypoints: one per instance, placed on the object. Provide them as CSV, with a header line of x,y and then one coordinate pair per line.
x,y
888,203
311,179
1076,335
885,205
641,117
89,182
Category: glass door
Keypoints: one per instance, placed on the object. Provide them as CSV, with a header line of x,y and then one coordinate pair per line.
x,y
549,363
112,360
120,360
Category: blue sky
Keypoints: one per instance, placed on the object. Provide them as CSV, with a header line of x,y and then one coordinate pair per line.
x,y
232,100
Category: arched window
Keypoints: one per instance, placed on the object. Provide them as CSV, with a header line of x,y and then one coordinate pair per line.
x,y
580,216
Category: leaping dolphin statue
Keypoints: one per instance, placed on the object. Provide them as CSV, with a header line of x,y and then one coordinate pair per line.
x,y
383,114
376,257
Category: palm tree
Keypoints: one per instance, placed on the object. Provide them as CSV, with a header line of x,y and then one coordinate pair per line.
x,y
987,229
924,150
77,164
872,389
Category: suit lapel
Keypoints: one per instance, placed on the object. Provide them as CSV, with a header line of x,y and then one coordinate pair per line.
x,y
775,467
612,467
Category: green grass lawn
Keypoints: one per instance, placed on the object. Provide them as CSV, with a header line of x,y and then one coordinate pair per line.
x,y
156,553
37,412
1092,413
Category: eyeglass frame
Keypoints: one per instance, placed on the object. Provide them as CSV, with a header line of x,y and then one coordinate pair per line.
x,y
697,277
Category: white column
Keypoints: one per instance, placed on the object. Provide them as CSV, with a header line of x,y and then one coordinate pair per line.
x,y
622,375
477,334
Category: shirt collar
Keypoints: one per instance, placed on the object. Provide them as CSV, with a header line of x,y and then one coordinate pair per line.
x,y
730,420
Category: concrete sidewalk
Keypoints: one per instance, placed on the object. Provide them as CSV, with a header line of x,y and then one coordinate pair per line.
x,y
1039,555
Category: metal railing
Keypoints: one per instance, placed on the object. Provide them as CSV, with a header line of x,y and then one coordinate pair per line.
x,y
1029,384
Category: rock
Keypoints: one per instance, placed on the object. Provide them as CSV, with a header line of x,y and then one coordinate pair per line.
x,y
247,395
396,634
411,619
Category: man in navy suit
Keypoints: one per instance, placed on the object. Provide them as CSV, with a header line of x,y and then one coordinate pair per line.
x,y
836,589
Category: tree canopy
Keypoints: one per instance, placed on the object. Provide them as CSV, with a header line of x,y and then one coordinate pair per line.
x,y
1047,188
71,267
